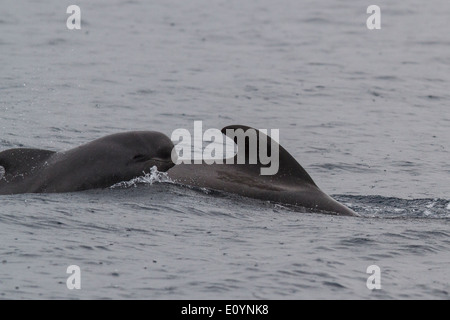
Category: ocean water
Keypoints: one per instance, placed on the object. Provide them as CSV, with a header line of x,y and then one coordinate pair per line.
x,y
365,113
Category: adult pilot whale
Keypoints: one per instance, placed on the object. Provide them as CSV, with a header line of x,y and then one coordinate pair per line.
x,y
98,164
291,185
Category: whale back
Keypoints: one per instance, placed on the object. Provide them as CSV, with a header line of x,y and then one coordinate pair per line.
x,y
289,185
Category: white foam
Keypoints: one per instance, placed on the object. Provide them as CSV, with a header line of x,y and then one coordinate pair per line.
x,y
431,205
448,206
147,178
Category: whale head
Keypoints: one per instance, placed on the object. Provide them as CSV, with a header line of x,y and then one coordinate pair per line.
x,y
139,151
98,164
116,158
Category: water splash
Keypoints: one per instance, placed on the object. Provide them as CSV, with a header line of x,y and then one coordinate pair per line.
x,y
148,178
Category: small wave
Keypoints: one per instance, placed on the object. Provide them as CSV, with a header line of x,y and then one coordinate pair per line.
x,y
432,97
389,207
56,41
357,168
147,178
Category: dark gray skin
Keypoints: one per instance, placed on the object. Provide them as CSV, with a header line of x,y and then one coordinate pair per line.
x,y
98,164
292,185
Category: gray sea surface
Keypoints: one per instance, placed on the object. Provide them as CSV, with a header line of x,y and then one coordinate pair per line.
x,y
366,113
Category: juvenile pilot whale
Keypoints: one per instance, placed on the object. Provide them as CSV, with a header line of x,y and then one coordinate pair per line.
x,y
98,164
291,185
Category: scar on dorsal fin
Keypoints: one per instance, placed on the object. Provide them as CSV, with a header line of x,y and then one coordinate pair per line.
x,y
289,168
22,161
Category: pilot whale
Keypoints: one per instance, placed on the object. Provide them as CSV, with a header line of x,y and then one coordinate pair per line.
x,y
98,164
291,185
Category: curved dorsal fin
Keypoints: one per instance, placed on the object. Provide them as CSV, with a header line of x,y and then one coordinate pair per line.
x,y
22,161
289,168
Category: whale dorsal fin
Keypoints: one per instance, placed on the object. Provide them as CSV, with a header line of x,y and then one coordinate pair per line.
x,y
22,161
289,168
